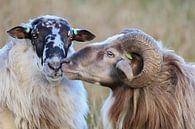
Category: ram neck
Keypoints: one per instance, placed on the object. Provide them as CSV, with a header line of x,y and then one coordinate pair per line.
x,y
148,108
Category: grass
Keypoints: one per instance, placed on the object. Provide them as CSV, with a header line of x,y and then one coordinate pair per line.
x,y
171,21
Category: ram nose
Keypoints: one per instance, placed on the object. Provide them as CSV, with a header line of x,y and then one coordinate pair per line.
x,y
66,61
67,64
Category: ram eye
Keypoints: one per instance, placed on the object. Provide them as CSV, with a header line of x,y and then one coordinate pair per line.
x,y
110,54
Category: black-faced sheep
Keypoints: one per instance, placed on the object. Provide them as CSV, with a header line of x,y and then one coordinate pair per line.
x,y
33,92
151,87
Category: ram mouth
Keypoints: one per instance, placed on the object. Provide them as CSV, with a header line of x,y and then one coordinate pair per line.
x,y
68,71
70,74
81,75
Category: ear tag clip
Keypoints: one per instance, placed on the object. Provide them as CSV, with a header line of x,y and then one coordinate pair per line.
x,y
27,30
128,56
75,32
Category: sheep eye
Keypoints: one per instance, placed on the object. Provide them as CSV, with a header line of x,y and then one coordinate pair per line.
x,y
110,54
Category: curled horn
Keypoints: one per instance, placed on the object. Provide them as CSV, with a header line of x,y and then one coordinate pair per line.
x,y
136,41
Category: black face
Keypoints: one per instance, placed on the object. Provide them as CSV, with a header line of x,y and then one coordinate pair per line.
x,y
51,38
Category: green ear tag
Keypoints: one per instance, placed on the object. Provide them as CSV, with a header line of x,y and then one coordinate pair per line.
x,y
128,55
27,30
75,31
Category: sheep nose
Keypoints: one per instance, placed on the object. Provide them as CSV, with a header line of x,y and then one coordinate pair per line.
x,y
55,65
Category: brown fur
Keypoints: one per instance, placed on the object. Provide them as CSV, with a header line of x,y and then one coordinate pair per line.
x,y
151,87
166,104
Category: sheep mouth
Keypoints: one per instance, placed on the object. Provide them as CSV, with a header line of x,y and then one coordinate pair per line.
x,y
54,77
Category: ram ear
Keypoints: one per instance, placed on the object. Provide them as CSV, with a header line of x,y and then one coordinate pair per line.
x,y
82,35
124,70
20,32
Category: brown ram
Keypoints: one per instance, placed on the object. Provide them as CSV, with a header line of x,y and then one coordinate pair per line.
x,y
151,87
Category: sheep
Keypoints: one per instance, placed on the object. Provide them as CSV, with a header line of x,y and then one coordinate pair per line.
x,y
34,94
151,87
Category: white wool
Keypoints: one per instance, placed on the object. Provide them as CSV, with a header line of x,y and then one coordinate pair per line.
x,y
29,101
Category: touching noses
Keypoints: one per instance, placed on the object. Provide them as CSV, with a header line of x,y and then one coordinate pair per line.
x,y
66,61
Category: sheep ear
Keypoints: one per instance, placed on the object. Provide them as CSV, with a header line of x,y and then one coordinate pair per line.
x,y
82,35
124,70
19,32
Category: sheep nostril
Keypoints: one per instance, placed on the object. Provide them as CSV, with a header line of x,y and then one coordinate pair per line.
x,y
54,66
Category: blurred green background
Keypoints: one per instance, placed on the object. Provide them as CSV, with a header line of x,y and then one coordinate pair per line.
x,y
170,21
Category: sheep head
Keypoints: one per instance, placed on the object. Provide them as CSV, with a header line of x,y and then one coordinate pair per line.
x,y
131,58
51,38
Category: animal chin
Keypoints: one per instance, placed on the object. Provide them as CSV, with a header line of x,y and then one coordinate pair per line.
x,y
80,75
52,75
54,78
